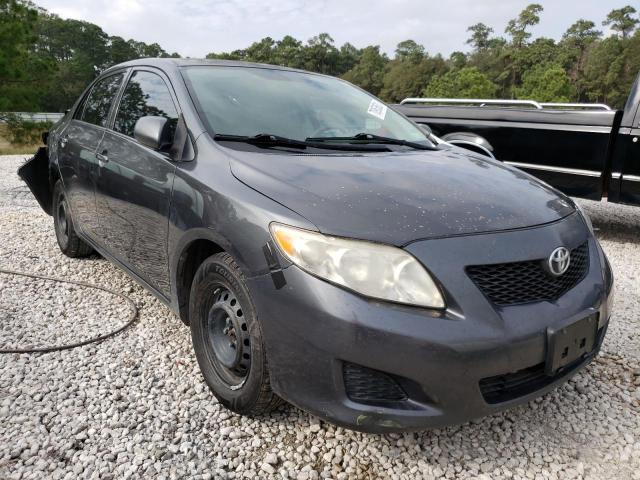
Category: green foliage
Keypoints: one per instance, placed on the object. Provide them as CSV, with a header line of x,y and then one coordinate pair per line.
x,y
546,83
480,36
407,78
622,20
23,132
20,71
410,51
321,55
468,82
517,27
46,61
368,73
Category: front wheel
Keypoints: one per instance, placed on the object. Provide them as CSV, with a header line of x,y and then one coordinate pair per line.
x,y
68,240
227,338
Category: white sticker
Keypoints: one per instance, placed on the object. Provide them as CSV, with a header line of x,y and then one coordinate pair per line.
x,y
377,109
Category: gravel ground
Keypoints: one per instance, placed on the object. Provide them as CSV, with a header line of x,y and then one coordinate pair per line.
x,y
135,406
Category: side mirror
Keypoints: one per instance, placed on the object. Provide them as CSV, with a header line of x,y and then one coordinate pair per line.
x,y
152,132
425,128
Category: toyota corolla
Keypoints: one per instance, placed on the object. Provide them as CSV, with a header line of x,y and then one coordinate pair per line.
x,y
324,249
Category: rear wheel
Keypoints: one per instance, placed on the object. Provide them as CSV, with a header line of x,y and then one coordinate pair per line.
x,y
68,240
227,338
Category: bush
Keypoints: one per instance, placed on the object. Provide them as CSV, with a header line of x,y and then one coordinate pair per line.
x,y
25,132
546,83
468,82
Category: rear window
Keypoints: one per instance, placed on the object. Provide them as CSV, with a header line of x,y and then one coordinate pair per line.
x,y
98,102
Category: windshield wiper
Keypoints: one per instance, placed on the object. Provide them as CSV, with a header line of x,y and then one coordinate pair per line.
x,y
263,139
268,140
368,138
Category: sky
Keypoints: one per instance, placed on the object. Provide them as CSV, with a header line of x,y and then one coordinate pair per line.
x,y
194,28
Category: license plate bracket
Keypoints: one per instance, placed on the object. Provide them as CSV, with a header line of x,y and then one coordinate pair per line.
x,y
567,344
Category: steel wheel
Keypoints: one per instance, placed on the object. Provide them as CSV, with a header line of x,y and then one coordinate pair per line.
x,y
63,224
68,240
228,336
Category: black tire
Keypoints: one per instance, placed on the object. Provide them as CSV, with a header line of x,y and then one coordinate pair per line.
x,y
68,240
227,338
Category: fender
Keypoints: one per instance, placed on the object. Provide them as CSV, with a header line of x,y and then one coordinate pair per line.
x,y
470,141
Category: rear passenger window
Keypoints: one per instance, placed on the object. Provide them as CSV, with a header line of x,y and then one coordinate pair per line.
x,y
98,102
145,94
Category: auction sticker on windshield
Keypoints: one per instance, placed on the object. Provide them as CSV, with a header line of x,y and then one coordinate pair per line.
x,y
377,109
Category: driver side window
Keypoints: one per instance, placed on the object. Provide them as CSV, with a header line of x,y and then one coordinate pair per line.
x,y
145,94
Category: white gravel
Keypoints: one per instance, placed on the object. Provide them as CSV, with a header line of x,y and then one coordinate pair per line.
x,y
135,406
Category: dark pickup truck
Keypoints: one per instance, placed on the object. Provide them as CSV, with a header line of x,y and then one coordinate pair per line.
x,y
584,150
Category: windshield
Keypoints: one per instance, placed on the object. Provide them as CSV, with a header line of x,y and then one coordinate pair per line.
x,y
249,101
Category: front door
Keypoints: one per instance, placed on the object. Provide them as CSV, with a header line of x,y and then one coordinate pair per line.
x,y
134,183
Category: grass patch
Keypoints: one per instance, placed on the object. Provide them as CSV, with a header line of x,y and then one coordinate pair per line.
x,y
7,148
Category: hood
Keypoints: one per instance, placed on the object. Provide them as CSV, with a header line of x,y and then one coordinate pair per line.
x,y
399,197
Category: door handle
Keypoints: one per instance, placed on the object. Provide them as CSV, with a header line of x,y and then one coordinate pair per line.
x,y
102,157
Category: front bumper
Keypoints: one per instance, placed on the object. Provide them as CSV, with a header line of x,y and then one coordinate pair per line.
x,y
313,329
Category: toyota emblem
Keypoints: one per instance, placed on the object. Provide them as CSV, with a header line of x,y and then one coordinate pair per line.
x,y
559,261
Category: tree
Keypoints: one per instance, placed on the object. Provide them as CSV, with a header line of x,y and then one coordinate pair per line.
x,y
261,51
321,55
467,82
574,45
234,55
120,50
407,79
47,61
368,73
410,71
602,70
20,70
517,27
622,21
480,35
288,52
546,83
410,51
348,57
540,51
581,33
458,60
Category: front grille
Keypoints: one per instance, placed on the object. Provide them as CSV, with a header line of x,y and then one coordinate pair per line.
x,y
503,388
364,385
524,282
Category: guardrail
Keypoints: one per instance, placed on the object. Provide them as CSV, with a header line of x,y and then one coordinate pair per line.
x,y
37,116
507,103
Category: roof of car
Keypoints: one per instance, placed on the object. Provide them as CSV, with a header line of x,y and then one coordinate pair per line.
x,y
183,62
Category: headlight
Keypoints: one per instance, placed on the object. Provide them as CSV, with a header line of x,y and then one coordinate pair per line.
x,y
374,270
584,216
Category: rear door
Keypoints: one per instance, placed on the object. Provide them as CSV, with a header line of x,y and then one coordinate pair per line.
x,y
134,183
77,151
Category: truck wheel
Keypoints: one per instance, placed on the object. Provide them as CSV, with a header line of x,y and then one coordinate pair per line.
x,y
227,338
68,240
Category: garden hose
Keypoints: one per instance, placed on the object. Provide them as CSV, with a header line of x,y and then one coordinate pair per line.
x,y
130,320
